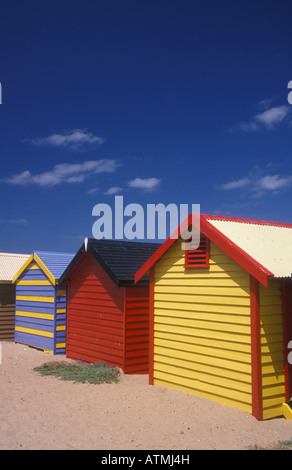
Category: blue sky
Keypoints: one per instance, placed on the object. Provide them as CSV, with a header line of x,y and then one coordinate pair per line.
x,y
179,102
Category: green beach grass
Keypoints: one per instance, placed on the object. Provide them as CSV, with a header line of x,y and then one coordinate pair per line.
x,y
80,372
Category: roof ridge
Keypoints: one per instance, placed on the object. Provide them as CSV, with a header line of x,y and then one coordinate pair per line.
x,y
3,253
113,240
54,252
246,221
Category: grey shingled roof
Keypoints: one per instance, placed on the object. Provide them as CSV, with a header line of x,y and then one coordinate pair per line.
x,y
120,259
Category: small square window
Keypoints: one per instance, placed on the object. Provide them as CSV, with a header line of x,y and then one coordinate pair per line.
x,y
198,258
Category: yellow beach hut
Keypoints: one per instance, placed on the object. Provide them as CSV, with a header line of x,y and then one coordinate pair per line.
x,y
221,315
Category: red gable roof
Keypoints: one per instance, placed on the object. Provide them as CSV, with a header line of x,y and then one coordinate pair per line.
x,y
257,270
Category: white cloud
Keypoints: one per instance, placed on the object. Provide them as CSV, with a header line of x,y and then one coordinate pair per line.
x,y
274,182
92,191
268,119
64,173
241,183
248,126
265,103
73,139
14,221
113,190
147,184
259,185
273,116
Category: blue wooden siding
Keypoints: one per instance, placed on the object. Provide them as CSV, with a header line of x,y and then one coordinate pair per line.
x,y
40,313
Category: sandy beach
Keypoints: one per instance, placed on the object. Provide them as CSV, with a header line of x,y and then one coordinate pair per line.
x,y
46,413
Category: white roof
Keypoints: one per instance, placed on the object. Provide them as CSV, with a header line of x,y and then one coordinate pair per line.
x,y
10,263
270,245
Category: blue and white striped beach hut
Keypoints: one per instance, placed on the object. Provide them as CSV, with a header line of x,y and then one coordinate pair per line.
x,y
40,306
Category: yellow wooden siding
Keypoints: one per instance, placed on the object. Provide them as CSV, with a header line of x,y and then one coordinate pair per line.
x,y
202,341
272,349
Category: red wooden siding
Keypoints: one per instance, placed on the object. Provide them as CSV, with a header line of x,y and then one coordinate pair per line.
x,y
106,323
257,405
136,329
95,315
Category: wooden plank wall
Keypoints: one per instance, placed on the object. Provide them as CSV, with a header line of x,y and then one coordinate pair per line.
x,y
7,312
60,320
137,330
95,315
202,341
35,309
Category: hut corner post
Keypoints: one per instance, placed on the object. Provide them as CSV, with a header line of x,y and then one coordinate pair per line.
x,y
151,325
286,309
55,322
257,402
67,315
123,367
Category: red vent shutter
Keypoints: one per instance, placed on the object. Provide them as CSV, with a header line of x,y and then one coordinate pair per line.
x,y
198,258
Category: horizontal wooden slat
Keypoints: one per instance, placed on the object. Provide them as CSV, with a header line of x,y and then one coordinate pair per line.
x,y
200,315
222,394
191,358
89,356
203,281
200,290
209,299
199,350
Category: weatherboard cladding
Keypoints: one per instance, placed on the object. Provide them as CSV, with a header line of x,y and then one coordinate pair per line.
x,y
7,311
221,332
105,322
108,317
40,310
10,263
202,328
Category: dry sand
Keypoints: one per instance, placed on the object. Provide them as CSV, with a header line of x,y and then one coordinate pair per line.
x,y
46,413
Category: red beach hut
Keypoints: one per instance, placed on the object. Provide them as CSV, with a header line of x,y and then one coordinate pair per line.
x,y
107,313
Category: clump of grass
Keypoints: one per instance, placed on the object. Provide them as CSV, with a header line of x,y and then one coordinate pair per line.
x,y
281,445
287,444
80,372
